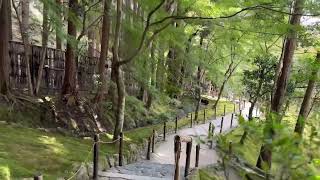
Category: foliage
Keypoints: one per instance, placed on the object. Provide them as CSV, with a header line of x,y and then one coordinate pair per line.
x,y
259,80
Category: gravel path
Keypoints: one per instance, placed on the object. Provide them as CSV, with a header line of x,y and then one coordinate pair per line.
x,y
161,165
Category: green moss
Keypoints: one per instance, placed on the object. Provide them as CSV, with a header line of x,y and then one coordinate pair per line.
x,y
25,151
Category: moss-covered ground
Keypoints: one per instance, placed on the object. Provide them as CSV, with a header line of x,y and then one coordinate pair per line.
x,y
25,151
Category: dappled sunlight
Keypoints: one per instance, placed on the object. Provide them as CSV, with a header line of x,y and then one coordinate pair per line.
x,y
110,136
52,144
5,172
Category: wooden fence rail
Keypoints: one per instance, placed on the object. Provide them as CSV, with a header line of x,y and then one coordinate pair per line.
x,y
53,70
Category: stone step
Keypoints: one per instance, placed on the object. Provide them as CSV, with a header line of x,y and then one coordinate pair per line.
x,y
119,176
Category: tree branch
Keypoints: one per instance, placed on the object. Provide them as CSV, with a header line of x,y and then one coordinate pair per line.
x,y
144,34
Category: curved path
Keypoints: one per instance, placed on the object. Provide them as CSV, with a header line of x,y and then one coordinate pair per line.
x,y
161,165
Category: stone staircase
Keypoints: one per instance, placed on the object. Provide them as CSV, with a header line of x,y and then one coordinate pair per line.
x,y
142,170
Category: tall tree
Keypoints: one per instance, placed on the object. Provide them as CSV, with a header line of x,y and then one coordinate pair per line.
x,y
265,155
118,75
104,51
4,47
307,99
45,37
23,20
59,24
69,82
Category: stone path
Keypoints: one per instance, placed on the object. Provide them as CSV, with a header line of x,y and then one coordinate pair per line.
x,y
161,165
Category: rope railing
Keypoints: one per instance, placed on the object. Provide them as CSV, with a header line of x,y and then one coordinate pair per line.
x,y
151,144
95,150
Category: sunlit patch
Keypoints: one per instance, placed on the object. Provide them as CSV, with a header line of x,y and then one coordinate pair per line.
x,y
5,173
110,136
47,98
40,100
52,143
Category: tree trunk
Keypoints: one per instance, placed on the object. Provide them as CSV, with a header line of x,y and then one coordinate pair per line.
x,y
119,77
307,99
69,82
24,28
59,24
153,77
4,47
45,36
104,51
198,91
220,93
10,20
265,154
245,133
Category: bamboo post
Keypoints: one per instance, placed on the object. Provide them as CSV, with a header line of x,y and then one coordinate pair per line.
x,y
153,139
188,156
95,157
231,120
164,130
121,149
197,155
191,123
221,124
176,125
177,149
149,148
204,115
224,110
38,177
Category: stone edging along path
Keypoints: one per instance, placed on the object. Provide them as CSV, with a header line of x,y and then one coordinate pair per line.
x,y
161,164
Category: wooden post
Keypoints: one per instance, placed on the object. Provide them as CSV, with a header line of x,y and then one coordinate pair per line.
x,y
95,157
164,130
224,110
188,157
240,112
209,128
197,155
215,112
38,177
177,149
148,150
204,115
176,126
221,125
120,149
234,108
153,139
230,147
212,134
231,120
191,123
244,103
